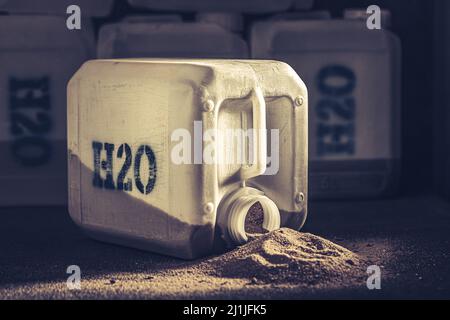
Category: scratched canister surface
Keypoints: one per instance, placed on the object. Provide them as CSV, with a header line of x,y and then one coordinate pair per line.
x,y
58,7
136,174
37,57
248,6
353,79
169,39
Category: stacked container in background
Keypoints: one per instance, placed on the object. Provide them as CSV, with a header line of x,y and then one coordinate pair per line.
x,y
248,6
353,80
38,55
216,32
97,8
166,36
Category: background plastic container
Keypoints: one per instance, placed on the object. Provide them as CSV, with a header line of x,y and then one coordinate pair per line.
x,y
38,55
353,79
169,40
94,8
123,179
248,6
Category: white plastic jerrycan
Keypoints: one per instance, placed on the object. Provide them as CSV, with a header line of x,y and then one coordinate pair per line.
x,y
90,8
156,38
353,78
38,55
248,6
169,155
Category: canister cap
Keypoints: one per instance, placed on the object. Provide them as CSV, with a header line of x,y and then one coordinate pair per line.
x,y
229,21
361,14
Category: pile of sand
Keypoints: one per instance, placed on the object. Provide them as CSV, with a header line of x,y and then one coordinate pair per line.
x,y
286,255
283,263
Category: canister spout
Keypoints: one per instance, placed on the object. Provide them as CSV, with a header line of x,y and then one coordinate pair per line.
x,y
235,208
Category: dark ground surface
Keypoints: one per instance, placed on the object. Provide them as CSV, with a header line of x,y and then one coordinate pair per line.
x,y
409,238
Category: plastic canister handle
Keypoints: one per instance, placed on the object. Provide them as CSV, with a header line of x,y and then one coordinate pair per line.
x,y
259,144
